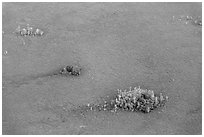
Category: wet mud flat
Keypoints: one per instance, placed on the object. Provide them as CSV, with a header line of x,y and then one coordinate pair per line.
x,y
60,80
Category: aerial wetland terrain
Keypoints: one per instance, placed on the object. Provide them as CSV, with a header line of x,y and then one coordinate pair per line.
x,y
101,68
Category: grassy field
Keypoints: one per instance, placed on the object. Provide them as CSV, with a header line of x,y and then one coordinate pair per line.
x,y
117,45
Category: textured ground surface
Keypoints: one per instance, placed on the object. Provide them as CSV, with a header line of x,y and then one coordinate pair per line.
x,y
118,45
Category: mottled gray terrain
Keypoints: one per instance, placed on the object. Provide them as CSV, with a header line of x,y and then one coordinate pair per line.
x,y
117,45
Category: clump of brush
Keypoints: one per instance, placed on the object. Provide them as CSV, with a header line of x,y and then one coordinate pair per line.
x,y
71,70
138,99
28,31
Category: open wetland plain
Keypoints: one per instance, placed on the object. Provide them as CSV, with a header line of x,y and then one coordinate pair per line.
x,y
83,68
